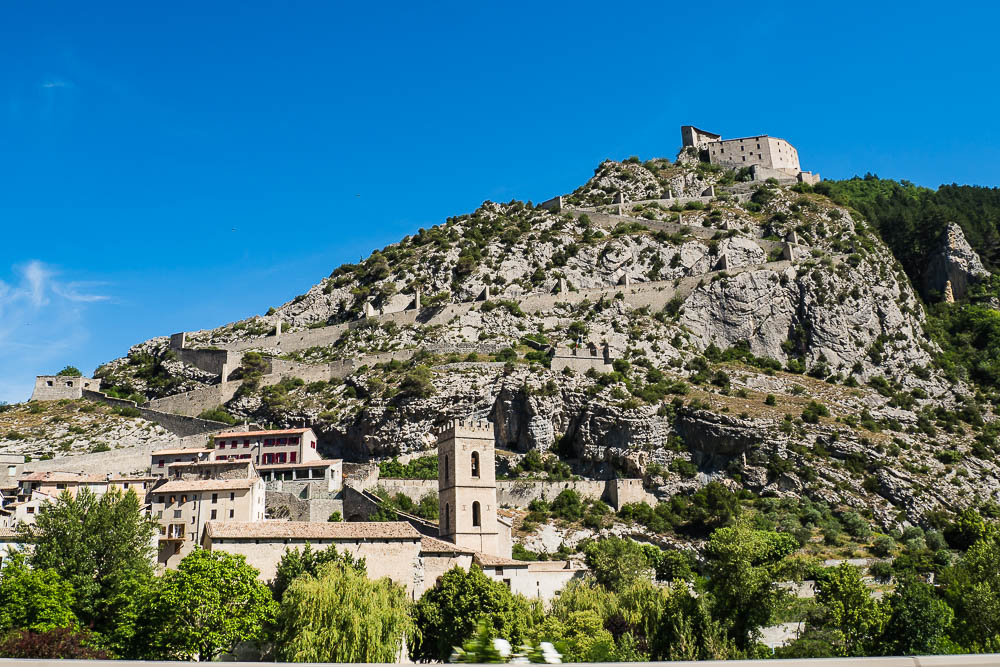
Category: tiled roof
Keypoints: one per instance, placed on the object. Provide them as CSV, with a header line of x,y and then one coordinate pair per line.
x,y
490,560
243,434
553,566
52,476
311,530
204,485
434,545
189,450
213,462
7,532
318,463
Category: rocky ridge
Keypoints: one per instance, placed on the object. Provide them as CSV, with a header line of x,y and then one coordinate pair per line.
x,y
762,336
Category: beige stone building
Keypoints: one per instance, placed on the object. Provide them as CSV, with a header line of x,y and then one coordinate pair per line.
x,y
532,579
162,459
768,156
294,445
53,483
184,506
390,549
325,474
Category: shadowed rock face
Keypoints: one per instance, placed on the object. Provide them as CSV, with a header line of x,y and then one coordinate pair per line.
x,y
954,261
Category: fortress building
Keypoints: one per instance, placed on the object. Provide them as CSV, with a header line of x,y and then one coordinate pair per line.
x,y
767,157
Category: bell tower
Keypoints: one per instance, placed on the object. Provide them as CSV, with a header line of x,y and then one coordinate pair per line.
x,y
467,491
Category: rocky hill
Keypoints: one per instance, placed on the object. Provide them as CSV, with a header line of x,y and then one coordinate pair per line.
x,y
757,333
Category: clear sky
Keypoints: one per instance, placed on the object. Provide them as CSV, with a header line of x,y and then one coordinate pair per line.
x,y
175,166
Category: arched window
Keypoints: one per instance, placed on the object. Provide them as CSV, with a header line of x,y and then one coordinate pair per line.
x,y
446,467
475,464
447,516
475,514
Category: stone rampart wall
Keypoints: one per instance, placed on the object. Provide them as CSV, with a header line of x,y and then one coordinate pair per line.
x,y
125,460
520,493
177,423
210,361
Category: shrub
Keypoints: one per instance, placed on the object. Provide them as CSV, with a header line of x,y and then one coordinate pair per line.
x,y
70,371
568,505
217,414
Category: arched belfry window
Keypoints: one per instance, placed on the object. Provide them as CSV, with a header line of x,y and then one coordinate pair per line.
x,y
447,516
446,467
475,464
476,521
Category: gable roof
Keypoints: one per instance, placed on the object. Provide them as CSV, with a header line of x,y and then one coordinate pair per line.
x,y
311,530
189,450
242,434
176,485
434,545
489,560
54,476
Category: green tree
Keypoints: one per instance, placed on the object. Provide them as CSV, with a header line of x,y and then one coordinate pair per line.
x,y
103,548
70,371
617,562
211,602
850,609
36,600
447,614
339,615
294,563
972,587
918,623
686,630
742,562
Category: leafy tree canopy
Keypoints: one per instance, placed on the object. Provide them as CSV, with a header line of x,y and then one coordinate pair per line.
x,y
447,614
295,563
102,547
339,615
211,602
36,600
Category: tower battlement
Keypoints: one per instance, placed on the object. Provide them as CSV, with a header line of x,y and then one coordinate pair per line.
x,y
467,428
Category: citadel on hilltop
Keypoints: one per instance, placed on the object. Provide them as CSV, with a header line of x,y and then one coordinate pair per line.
x,y
766,157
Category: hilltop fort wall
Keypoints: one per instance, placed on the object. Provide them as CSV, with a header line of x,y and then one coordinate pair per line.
x,y
57,387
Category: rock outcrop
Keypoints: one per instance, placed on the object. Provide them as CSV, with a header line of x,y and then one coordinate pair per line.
x,y
954,262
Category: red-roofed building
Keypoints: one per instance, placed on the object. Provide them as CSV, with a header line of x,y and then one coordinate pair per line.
x,y
293,445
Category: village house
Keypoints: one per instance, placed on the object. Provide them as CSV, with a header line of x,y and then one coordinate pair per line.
x,y
53,483
323,475
268,447
163,458
184,506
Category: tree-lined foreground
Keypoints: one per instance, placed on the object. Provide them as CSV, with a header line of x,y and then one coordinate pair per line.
x,y
87,589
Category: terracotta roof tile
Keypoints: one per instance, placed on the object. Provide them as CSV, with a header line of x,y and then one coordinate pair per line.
x,y
188,450
243,434
54,476
311,530
490,560
434,545
204,485
554,566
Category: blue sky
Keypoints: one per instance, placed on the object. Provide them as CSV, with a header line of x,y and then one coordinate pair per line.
x,y
171,167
